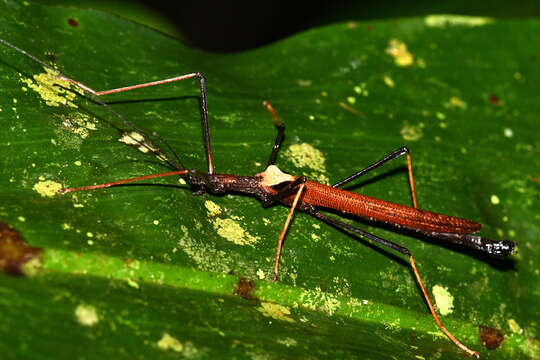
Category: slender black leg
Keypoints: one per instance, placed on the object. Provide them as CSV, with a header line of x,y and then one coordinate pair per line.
x,y
332,221
205,125
148,143
402,150
280,135
405,251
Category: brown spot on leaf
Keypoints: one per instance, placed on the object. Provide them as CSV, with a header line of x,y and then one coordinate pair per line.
x,y
72,22
15,253
244,288
491,338
494,99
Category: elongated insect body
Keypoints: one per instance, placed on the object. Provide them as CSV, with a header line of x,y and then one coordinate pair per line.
x,y
274,186
324,196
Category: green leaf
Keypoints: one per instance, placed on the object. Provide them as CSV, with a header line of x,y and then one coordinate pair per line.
x,y
148,271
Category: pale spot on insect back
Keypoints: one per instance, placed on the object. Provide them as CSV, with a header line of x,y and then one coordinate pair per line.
x,y
51,89
274,176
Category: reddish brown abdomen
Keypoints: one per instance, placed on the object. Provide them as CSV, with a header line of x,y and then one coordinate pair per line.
x,y
325,196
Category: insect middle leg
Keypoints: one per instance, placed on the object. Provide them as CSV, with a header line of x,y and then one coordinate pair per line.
x,y
394,154
280,135
287,222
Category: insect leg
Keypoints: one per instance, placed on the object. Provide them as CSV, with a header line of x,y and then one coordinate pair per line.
x,y
204,106
280,135
404,251
402,150
285,227
92,94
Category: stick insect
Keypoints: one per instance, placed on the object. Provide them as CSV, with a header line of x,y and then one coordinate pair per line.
x,y
273,186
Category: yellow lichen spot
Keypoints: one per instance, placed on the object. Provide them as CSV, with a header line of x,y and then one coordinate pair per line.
x,y
304,83
21,218
233,232
398,50
320,301
351,100
411,132
132,283
51,88
155,222
213,208
288,342
456,102
168,342
78,124
260,274
495,199
47,188
89,234
456,20
135,138
275,311
86,315
389,81
77,163
66,226
443,299
305,155
514,326
31,267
